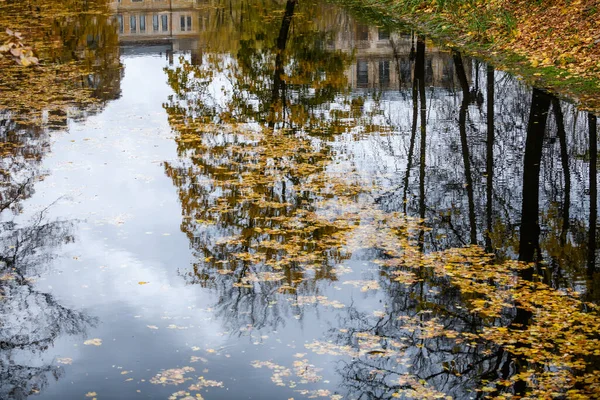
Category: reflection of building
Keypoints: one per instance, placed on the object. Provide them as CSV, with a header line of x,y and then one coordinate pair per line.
x,y
384,59
156,19
176,23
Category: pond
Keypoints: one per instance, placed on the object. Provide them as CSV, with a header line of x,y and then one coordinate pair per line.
x,y
274,200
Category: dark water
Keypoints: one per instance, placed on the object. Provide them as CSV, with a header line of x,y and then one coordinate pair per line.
x,y
274,201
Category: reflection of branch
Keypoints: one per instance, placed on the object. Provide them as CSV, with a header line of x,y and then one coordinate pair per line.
x,y
420,69
489,156
564,158
20,192
19,381
462,119
278,82
40,318
413,134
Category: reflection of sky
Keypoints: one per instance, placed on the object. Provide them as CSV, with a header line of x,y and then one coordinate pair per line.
x,y
109,170
107,174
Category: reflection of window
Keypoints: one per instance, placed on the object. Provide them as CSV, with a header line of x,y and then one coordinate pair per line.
x,y
405,69
362,32
132,26
165,22
362,73
142,23
429,70
120,20
155,23
384,73
384,34
185,23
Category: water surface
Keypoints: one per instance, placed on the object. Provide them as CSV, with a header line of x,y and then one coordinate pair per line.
x,y
245,200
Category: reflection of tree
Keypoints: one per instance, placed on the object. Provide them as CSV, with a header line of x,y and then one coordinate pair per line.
x,y
77,44
251,213
413,353
593,131
593,282
462,126
536,128
529,247
564,158
488,143
413,131
282,39
412,349
22,149
31,319
272,75
80,70
420,78
261,209
267,213
489,157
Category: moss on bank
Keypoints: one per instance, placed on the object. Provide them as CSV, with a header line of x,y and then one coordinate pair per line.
x,y
553,44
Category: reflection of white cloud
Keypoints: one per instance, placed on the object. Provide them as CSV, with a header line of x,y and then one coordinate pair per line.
x,y
107,281
116,220
110,165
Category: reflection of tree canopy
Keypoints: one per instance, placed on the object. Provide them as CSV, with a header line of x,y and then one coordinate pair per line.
x,y
261,207
461,320
451,325
270,207
22,148
473,167
77,44
79,70
278,71
31,320
261,212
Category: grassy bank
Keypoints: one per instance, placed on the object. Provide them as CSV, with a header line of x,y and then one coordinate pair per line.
x,y
553,44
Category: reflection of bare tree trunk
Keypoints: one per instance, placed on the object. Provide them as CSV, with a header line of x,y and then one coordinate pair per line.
x,y
489,157
413,131
564,157
280,48
536,127
593,126
420,76
530,230
462,127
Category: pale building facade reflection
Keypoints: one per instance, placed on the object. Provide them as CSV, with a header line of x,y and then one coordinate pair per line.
x,y
382,59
